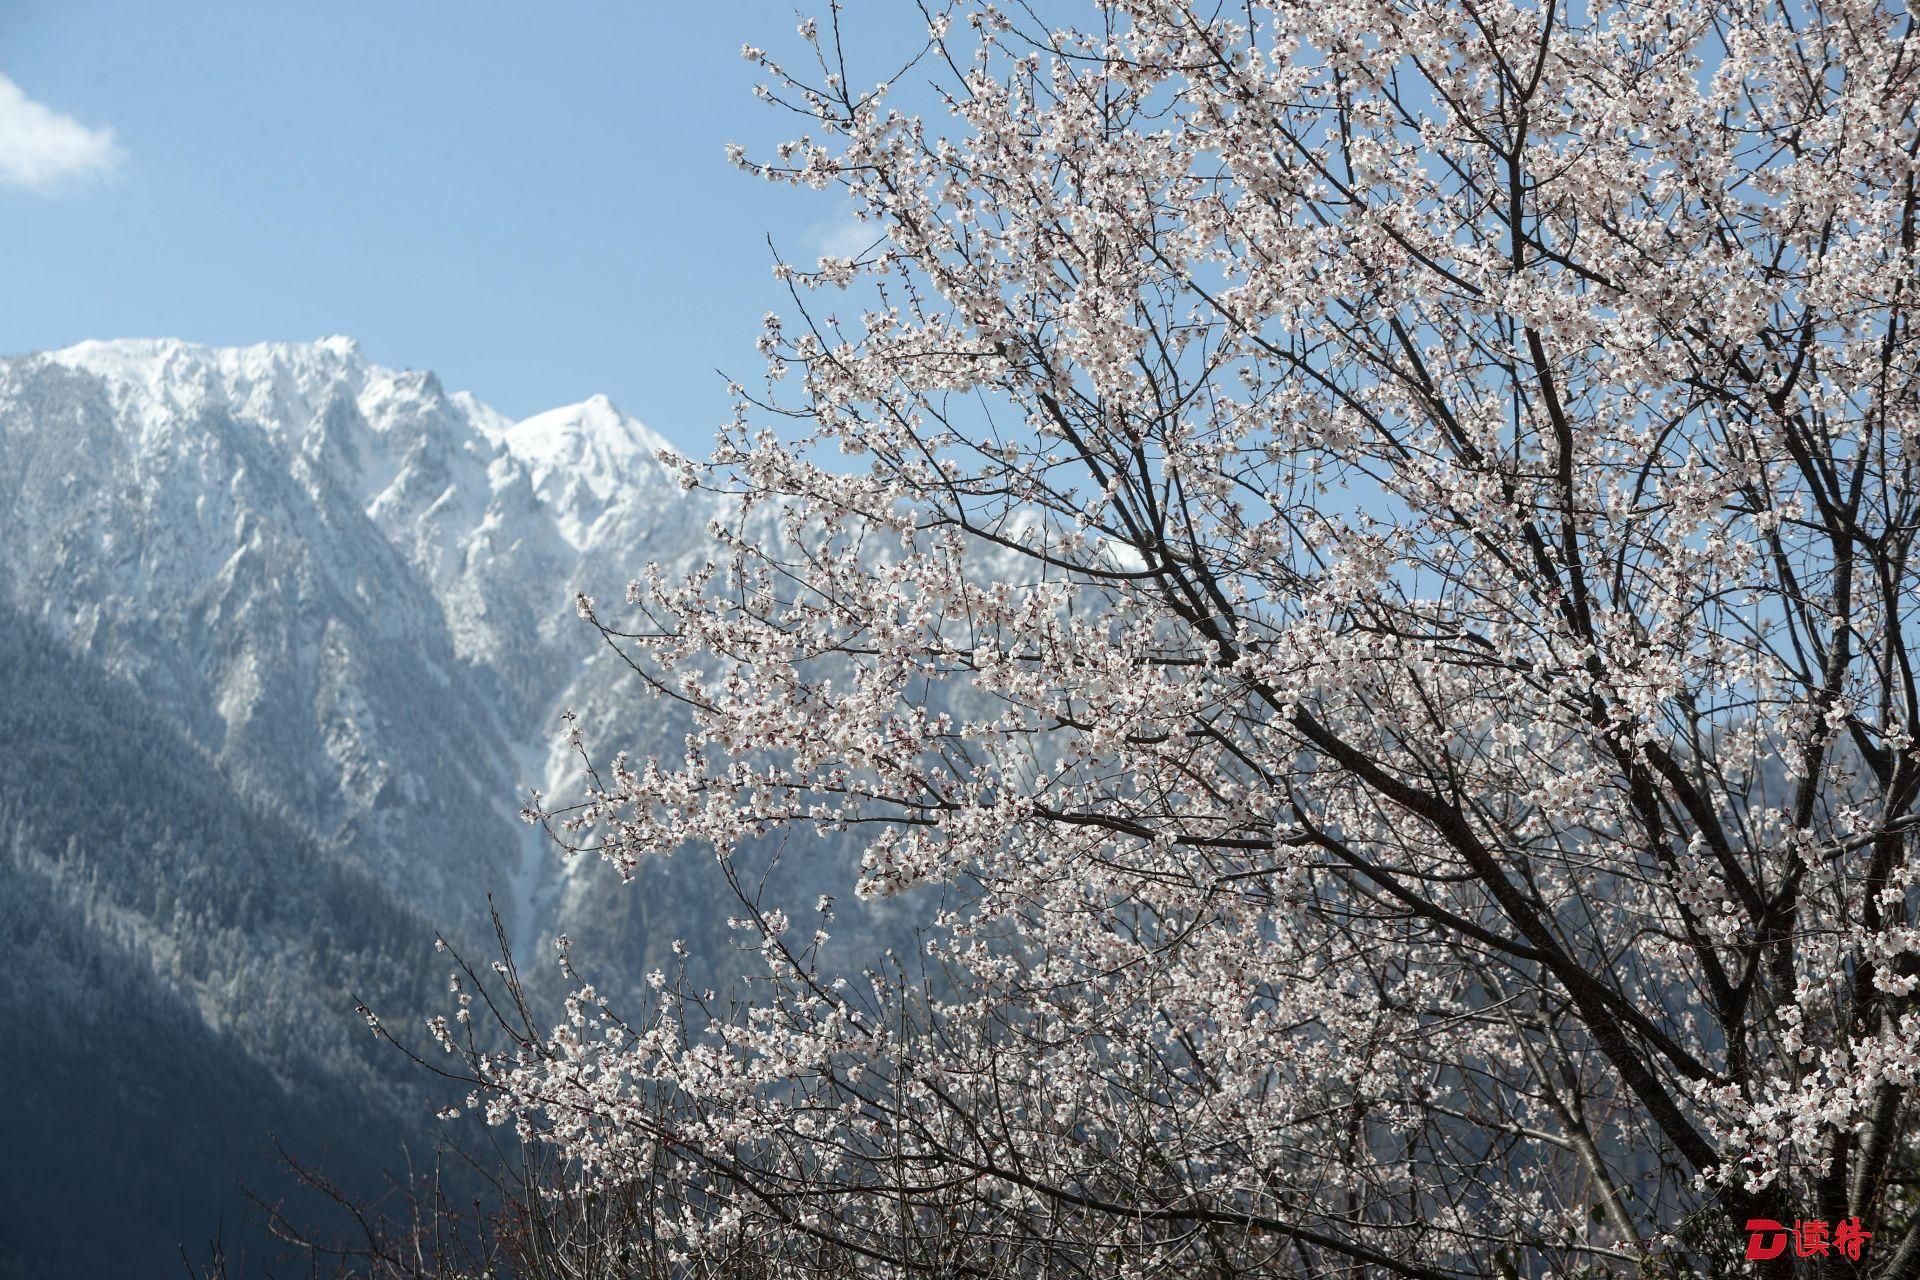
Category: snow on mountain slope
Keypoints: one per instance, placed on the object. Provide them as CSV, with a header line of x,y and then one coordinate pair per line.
x,y
349,586
583,460
354,591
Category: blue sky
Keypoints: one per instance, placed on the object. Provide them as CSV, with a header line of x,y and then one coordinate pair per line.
x,y
531,200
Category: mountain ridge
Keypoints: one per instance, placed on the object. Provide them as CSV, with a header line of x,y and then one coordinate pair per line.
x,y
348,594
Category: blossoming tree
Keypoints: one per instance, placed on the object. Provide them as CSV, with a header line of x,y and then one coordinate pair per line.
x,y
1360,554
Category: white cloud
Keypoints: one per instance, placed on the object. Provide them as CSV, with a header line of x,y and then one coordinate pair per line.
x,y
845,238
39,147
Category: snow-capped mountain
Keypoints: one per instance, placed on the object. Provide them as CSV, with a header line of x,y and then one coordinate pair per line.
x,y
352,588
335,599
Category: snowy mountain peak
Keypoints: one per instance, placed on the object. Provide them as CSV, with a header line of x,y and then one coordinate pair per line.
x,y
275,383
287,385
593,432
500,519
149,360
582,457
